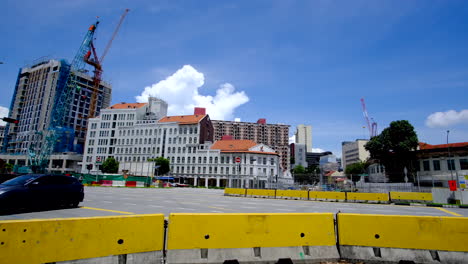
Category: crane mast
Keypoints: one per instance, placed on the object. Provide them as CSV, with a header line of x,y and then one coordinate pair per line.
x,y
372,126
57,126
96,62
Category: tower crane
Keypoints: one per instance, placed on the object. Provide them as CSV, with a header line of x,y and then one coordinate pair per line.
x,y
371,124
57,127
96,62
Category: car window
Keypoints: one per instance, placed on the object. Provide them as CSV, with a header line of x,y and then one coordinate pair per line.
x,y
20,180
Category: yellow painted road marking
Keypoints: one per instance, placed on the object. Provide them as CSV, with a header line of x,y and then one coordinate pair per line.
x,y
447,211
107,210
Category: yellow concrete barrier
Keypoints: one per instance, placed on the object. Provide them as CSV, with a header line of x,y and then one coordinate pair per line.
x,y
292,194
327,196
51,240
410,232
234,191
189,231
415,196
354,196
260,192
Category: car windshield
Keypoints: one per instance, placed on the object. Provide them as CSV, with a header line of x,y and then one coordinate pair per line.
x,y
20,180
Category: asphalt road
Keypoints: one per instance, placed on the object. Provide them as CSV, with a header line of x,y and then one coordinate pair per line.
x,y
106,201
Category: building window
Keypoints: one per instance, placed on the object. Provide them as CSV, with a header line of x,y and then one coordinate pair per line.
x,y
436,165
464,164
426,165
451,164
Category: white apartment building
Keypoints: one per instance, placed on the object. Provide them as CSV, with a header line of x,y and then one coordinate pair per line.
x,y
135,133
304,136
353,152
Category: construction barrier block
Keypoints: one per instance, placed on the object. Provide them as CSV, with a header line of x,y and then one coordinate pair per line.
x,y
118,183
106,183
292,194
140,184
261,192
52,240
130,183
355,196
421,239
411,196
214,238
234,191
327,196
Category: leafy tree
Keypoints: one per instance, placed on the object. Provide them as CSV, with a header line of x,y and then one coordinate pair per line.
x,y
313,169
356,168
9,167
163,165
110,165
299,169
394,148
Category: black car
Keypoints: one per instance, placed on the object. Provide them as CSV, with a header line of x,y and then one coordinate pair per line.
x,y
39,191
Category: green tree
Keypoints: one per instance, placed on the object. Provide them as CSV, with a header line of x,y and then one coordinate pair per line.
x,y
356,168
9,167
394,148
299,169
110,165
163,165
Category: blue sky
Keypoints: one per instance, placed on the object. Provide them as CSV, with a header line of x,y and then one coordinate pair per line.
x,y
292,62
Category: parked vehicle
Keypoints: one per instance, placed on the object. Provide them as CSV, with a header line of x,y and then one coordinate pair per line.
x,y
40,191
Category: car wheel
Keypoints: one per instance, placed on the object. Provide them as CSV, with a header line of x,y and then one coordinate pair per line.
x,y
75,204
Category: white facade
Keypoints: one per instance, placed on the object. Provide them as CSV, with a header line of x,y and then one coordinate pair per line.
x,y
128,135
353,152
300,155
304,136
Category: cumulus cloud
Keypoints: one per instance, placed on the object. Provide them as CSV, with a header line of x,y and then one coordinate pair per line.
x,y
292,139
448,118
180,91
317,150
3,113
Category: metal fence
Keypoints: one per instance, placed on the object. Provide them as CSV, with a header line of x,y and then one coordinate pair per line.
x,y
389,187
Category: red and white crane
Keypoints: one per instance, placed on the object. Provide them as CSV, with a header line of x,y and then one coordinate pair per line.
x,y
371,124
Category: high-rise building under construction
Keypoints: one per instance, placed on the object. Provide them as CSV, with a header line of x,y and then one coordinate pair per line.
x,y
36,91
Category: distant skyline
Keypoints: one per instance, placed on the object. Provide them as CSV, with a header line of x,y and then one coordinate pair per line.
x,y
291,62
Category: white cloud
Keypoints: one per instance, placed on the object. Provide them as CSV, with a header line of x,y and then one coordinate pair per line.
x,y
317,150
3,113
292,139
237,119
448,118
180,91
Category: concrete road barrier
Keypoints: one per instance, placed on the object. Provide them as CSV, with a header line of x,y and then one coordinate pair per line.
x,y
255,238
235,191
327,196
371,197
118,183
260,193
53,240
422,239
411,196
292,194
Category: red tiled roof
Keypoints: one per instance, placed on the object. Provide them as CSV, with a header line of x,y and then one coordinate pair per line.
x,y
237,146
185,119
127,106
329,173
424,146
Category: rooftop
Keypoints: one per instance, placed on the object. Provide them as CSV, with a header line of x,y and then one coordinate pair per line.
x,y
425,146
237,145
127,106
184,119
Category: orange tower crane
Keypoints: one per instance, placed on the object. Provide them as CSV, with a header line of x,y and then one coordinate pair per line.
x,y
96,62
